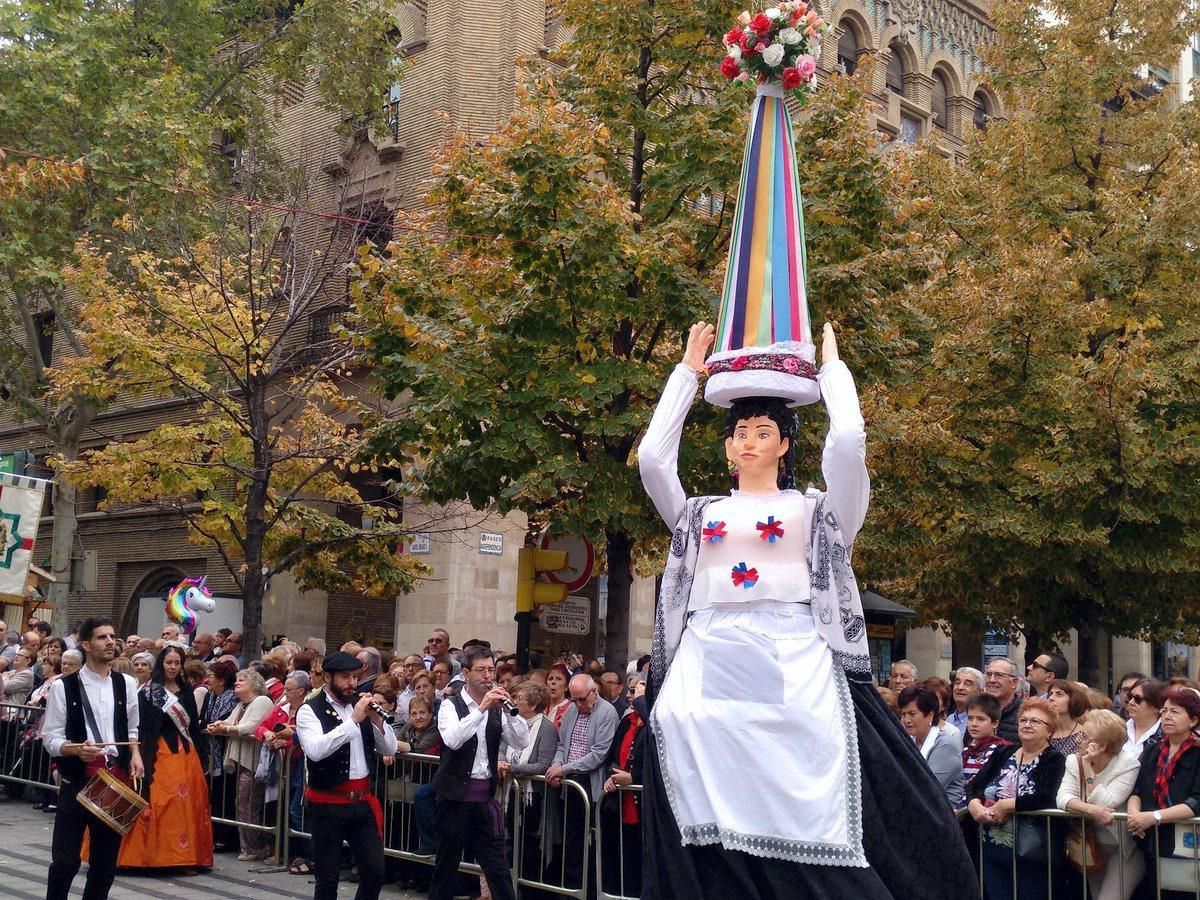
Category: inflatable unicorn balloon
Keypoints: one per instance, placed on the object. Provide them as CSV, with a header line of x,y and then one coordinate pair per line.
x,y
186,599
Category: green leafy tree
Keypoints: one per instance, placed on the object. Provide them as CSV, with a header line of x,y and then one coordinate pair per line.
x,y
1041,472
264,466
134,93
531,318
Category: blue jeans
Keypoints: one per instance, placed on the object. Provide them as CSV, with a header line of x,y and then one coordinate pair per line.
x,y
424,810
998,875
300,846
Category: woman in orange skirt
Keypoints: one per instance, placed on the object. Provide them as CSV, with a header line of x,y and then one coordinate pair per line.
x,y
175,831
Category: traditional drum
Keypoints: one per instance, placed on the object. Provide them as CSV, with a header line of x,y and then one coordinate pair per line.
x,y
111,801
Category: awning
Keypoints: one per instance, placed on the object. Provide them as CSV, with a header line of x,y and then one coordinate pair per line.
x,y
874,603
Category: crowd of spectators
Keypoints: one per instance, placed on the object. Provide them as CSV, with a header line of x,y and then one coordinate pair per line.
x,y
999,742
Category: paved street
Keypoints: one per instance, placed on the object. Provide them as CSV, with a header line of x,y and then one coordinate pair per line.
x,y
25,855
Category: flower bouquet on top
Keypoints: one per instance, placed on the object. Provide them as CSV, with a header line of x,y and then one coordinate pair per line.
x,y
777,46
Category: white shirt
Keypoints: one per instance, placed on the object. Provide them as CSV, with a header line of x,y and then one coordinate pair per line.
x,y
1134,745
317,745
99,693
455,731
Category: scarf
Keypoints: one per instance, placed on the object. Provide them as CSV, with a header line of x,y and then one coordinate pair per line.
x,y
1165,770
837,606
521,757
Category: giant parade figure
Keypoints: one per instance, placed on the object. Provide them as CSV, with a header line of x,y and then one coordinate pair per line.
x,y
772,767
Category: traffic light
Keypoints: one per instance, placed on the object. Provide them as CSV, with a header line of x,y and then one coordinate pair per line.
x,y
531,590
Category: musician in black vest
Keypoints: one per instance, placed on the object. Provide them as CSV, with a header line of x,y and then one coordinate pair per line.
x,y
340,734
91,716
471,724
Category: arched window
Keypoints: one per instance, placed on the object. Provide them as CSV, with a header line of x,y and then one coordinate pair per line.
x,y
895,72
941,113
848,47
982,111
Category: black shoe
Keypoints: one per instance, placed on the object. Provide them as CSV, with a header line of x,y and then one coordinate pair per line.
x,y
39,806
50,807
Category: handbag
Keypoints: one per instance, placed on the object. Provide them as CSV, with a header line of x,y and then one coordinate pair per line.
x,y
1083,850
267,770
1031,842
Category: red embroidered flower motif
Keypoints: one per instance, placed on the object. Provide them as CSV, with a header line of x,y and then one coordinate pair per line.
x,y
744,577
182,791
790,363
770,530
740,363
714,532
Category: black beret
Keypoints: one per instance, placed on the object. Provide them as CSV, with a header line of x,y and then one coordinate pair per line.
x,y
340,662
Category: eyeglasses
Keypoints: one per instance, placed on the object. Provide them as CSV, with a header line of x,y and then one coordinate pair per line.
x,y
1027,720
1037,665
582,699
490,670
990,675
1136,698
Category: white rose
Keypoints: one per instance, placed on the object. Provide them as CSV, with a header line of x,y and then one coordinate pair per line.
x,y
771,13
735,51
773,55
790,36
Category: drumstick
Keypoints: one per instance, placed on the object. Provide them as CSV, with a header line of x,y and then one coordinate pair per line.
x,y
106,744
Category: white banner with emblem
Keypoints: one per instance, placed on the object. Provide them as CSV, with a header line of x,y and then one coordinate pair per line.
x,y
20,510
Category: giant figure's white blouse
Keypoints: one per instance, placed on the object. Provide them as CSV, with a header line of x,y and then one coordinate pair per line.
x,y
738,562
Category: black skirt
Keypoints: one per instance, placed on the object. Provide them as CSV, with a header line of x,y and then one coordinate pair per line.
x,y
911,838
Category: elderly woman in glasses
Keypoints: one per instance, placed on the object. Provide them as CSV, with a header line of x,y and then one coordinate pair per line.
x,y
1020,778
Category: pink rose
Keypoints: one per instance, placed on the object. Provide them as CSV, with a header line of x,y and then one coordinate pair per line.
x,y
805,66
791,364
740,363
791,78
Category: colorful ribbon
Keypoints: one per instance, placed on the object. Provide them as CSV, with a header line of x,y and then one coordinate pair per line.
x,y
714,532
770,530
744,577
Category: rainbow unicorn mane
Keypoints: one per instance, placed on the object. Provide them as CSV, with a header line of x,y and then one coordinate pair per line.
x,y
185,598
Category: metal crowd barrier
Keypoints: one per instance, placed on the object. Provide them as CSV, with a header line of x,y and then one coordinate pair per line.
x,y
1175,874
628,883
222,793
23,760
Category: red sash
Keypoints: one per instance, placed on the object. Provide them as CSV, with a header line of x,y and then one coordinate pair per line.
x,y
356,790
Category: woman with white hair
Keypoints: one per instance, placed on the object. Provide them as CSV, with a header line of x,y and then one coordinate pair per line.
x,y
241,758
143,665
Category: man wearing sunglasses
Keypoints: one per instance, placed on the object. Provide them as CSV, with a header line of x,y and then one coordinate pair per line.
x,y
584,737
1046,669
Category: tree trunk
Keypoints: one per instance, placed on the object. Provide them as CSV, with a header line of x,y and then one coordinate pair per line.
x,y
62,542
65,436
966,647
619,551
253,589
1087,645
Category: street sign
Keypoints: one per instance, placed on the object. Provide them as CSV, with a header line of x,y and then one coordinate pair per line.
x,y
581,559
420,543
491,543
572,616
995,645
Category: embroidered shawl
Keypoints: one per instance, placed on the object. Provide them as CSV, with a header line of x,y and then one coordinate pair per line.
x,y
837,605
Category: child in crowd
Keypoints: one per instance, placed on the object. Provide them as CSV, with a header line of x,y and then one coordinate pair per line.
x,y
983,717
